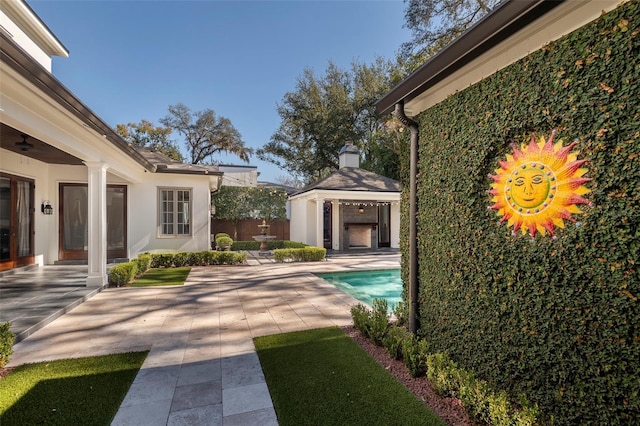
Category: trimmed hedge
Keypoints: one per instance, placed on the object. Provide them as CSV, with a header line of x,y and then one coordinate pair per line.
x,y
481,401
123,273
6,343
199,258
143,262
556,321
306,254
272,245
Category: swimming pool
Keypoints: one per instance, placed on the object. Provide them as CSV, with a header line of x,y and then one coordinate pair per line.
x,y
368,285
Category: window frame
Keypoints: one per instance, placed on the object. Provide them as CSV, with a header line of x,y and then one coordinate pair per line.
x,y
175,224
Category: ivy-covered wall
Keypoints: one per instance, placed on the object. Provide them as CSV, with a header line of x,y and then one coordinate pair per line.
x,y
556,321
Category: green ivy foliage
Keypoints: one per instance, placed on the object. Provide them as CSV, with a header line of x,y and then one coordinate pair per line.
x,y
556,321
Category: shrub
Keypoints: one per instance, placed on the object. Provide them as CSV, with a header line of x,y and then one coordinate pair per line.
x,y
181,259
443,374
248,245
198,258
162,260
401,312
143,261
293,244
379,321
392,341
223,242
227,258
360,316
201,258
478,398
306,254
414,354
122,273
6,343
221,234
271,245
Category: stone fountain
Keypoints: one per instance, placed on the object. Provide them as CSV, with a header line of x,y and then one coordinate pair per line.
x,y
263,237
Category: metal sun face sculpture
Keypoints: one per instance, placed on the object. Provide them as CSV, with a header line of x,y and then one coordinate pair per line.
x,y
539,186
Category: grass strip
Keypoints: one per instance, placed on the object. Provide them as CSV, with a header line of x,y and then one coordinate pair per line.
x,y
81,391
162,276
323,377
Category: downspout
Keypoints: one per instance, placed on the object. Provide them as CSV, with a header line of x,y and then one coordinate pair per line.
x,y
413,207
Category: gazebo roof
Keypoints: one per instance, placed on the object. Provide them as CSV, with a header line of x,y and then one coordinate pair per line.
x,y
354,179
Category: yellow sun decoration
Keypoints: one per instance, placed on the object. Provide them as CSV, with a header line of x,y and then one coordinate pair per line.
x,y
539,186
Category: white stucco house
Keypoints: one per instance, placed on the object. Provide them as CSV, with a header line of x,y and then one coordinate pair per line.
x,y
239,175
352,208
70,188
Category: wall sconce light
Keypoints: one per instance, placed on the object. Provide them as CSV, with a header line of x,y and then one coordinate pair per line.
x,y
46,208
213,210
361,209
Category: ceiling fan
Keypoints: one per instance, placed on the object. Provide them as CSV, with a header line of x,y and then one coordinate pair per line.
x,y
24,146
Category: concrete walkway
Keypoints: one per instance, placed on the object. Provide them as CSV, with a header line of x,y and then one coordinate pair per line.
x,y
202,368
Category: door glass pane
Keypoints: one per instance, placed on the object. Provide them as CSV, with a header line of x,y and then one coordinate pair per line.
x,y
5,218
326,224
115,218
24,218
183,213
76,233
384,233
166,218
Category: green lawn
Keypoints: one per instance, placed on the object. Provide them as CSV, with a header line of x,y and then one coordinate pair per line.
x,y
162,276
83,391
322,377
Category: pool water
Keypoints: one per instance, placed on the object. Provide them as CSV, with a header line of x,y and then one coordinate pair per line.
x,y
368,285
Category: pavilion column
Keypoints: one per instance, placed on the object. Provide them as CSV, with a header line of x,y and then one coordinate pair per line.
x,y
336,226
97,224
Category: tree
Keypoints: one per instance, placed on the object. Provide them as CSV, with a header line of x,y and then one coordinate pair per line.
x,y
205,134
323,113
316,121
235,203
145,134
232,203
269,202
434,23
381,153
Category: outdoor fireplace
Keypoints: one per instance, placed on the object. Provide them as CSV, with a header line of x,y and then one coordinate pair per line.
x,y
360,234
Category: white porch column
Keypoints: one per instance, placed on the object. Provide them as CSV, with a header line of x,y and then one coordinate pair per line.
x,y
97,223
319,222
336,228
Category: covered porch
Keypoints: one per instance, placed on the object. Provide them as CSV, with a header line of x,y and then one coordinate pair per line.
x,y
32,297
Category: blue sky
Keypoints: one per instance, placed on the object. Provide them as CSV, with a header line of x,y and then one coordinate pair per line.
x,y
130,60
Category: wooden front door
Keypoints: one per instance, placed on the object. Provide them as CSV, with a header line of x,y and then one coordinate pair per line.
x,y
16,221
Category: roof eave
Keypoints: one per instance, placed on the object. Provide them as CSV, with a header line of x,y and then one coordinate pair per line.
x,y
163,169
505,20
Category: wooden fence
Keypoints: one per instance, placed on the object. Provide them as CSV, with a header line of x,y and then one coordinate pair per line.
x,y
247,228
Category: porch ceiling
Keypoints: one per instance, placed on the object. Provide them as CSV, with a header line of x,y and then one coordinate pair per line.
x,y
40,151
